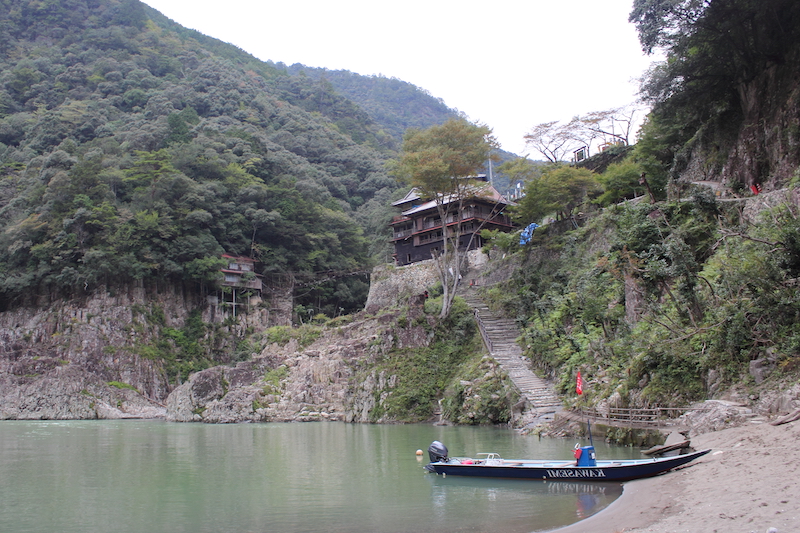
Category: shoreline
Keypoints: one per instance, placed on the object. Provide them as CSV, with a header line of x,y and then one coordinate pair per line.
x,y
750,482
639,506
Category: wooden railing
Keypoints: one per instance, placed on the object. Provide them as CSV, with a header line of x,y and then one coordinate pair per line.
x,y
430,237
402,234
654,417
484,334
437,223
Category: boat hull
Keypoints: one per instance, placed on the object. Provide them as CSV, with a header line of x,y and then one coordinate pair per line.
x,y
559,470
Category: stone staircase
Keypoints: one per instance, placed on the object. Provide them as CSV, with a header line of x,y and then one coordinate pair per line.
x,y
500,337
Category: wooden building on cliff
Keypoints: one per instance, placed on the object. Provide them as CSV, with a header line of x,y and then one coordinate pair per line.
x,y
240,273
417,233
267,300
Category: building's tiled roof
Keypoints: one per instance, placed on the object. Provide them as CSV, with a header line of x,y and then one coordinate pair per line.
x,y
411,196
483,191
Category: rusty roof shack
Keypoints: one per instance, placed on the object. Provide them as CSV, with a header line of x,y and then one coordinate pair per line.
x,y
417,232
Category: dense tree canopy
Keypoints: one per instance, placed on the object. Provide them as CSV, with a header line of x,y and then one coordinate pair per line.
x,y
713,47
557,192
132,148
722,57
434,159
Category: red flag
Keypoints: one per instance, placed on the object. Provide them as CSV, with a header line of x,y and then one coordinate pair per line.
x,y
579,384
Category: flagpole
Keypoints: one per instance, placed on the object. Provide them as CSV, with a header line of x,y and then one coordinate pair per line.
x,y
579,390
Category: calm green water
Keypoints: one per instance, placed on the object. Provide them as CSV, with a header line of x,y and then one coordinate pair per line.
x,y
154,477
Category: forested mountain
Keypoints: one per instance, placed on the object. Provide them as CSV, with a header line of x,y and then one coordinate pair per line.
x,y
134,152
134,149
394,104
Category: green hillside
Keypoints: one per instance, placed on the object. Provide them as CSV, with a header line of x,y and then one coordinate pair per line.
x,y
134,149
394,104
689,289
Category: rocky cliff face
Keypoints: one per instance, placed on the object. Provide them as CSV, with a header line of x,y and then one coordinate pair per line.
x,y
332,378
391,284
764,147
326,380
85,358
99,358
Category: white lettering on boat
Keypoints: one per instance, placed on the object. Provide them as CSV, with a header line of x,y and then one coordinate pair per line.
x,y
596,472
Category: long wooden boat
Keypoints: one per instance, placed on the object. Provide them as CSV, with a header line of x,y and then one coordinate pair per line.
x,y
586,467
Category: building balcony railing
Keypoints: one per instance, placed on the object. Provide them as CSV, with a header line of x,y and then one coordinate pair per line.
x,y
501,220
478,215
397,235
429,238
428,224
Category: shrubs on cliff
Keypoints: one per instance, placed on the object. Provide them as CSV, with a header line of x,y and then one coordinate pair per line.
x,y
483,394
660,304
725,99
420,376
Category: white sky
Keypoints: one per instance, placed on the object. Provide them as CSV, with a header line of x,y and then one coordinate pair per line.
x,y
510,64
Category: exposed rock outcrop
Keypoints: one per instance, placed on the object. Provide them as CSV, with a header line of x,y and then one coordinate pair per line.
x,y
99,358
70,392
295,383
392,284
761,145
79,359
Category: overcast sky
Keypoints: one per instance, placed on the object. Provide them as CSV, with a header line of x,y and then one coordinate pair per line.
x,y
510,64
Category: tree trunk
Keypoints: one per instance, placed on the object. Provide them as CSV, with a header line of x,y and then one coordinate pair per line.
x,y
633,299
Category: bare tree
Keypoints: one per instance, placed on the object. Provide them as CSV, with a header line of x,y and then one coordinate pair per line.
x,y
614,126
552,140
555,140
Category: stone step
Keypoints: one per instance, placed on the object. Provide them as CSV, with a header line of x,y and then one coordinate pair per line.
x,y
503,334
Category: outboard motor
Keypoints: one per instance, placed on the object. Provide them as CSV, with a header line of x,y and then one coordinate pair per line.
x,y
437,452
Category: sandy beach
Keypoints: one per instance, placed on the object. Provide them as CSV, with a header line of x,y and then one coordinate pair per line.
x,y
750,482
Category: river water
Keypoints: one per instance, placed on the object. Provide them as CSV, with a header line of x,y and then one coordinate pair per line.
x,y
153,477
